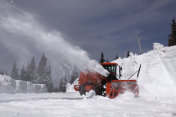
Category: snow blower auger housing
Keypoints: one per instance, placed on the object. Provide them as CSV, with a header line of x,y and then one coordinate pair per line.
x,y
110,86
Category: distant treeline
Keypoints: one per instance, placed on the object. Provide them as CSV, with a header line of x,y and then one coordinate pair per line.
x,y
41,74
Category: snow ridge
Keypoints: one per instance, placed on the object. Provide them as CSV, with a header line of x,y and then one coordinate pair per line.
x,y
9,85
157,76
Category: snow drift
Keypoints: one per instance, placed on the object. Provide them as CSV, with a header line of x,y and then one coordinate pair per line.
x,y
9,85
158,72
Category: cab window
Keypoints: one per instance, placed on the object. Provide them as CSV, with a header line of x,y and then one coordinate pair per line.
x,y
110,68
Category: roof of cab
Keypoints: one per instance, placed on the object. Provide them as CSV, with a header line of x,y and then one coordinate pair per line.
x,y
108,63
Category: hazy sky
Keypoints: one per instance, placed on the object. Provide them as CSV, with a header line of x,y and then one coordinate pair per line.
x,y
111,26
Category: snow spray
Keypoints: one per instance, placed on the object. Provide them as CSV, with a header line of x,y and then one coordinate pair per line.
x,y
26,37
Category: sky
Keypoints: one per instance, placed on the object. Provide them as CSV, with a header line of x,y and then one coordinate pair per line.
x,y
109,26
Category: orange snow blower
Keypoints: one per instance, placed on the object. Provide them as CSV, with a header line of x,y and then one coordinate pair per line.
x,y
110,86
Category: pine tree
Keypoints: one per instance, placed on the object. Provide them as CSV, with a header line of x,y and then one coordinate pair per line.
x,y
14,72
28,73
128,54
172,36
44,73
62,86
48,80
74,75
23,74
102,60
33,71
41,70
117,57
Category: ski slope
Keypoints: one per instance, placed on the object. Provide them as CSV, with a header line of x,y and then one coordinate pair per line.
x,y
157,98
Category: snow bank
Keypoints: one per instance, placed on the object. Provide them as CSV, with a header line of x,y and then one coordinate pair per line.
x,y
158,72
70,87
9,85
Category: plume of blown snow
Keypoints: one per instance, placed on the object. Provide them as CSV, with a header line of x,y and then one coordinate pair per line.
x,y
23,35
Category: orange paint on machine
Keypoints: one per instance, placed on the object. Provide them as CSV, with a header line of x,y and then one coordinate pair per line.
x,y
110,86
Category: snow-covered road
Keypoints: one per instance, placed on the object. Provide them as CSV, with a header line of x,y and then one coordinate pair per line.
x,y
73,105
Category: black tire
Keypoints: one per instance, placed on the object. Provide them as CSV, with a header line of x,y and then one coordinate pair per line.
x,y
82,90
98,90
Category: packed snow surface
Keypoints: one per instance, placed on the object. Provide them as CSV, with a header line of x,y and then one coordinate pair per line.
x,y
157,98
71,104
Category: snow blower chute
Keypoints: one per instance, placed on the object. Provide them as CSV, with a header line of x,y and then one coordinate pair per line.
x,y
110,86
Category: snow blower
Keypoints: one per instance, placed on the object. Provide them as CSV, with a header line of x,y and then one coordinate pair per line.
x,y
110,86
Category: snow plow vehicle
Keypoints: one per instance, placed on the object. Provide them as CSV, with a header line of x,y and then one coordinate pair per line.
x,y
110,86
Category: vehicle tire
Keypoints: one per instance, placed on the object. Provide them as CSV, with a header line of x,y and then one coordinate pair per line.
x,y
98,90
82,90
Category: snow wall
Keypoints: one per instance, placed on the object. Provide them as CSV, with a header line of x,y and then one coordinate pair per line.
x,y
9,85
158,71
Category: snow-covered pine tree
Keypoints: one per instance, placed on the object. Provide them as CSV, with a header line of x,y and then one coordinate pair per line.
x,y
28,73
48,80
62,86
41,70
44,73
74,75
31,73
14,72
23,73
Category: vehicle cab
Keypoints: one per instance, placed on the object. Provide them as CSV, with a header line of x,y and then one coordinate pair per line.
x,y
112,69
